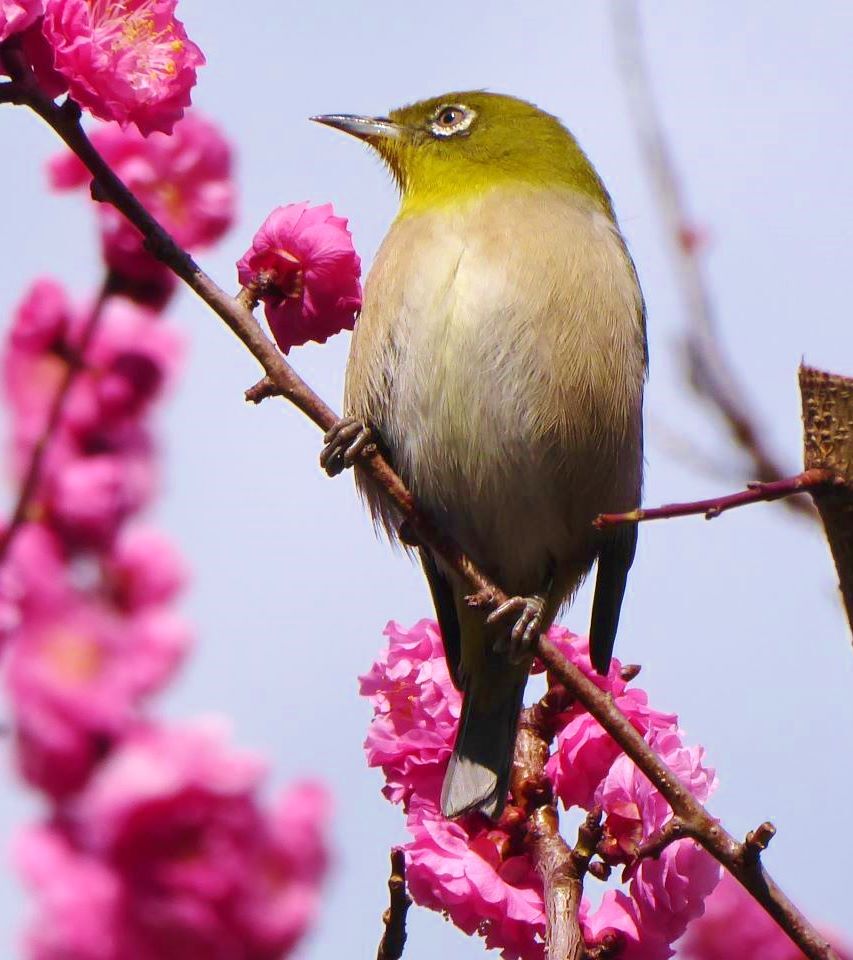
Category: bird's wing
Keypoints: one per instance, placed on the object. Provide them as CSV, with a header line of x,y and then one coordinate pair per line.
x,y
614,561
445,609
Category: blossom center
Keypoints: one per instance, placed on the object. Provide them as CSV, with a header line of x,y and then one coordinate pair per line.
x,y
75,656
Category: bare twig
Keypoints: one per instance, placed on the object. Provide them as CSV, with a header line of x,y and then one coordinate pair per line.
x,y
809,481
393,940
65,121
75,362
710,372
828,426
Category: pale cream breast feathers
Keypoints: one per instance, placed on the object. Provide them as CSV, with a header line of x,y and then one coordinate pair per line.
x,y
500,354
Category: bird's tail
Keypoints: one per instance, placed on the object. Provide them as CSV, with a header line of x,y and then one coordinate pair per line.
x,y
477,776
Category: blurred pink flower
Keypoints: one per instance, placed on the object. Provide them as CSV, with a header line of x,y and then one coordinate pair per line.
x,y
17,15
76,678
130,361
89,498
415,711
33,577
203,871
144,569
79,899
312,271
184,180
734,925
125,60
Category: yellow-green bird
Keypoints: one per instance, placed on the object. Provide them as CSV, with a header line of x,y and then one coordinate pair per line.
x,y
499,363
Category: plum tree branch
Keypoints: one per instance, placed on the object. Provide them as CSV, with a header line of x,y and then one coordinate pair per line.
x,y
811,481
65,120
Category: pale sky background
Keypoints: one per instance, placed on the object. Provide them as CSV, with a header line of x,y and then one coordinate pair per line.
x,y
736,622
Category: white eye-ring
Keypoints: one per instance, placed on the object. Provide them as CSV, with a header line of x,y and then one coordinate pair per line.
x,y
451,119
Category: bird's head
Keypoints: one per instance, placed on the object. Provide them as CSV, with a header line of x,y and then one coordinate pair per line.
x,y
460,145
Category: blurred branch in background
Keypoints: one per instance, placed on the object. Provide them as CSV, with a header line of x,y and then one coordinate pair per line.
x,y
709,371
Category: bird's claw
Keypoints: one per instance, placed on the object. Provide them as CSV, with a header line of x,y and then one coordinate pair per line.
x,y
519,643
344,443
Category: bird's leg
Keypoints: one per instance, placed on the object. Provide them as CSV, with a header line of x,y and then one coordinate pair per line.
x,y
344,444
519,642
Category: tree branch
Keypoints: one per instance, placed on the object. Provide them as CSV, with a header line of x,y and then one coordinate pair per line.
x,y
393,940
710,372
65,121
811,481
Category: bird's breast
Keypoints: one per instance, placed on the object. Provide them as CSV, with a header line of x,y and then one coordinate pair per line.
x,y
500,355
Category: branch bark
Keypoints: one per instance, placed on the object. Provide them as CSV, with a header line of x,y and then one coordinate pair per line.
x,y
65,120
813,480
393,940
828,445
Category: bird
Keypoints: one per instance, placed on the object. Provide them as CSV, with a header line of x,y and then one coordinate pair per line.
x,y
498,363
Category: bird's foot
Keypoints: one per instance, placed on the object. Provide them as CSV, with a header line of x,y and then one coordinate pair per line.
x,y
344,443
519,643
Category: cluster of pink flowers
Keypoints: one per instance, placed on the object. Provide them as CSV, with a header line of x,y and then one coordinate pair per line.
x,y
157,843
125,60
478,872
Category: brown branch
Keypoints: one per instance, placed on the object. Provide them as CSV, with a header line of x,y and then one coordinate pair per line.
x,y
710,372
75,362
560,867
393,940
809,481
828,441
65,121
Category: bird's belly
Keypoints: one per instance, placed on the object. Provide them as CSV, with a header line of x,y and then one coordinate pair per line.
x,y
509,395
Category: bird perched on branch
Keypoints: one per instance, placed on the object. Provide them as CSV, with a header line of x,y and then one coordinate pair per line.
x,y
499,363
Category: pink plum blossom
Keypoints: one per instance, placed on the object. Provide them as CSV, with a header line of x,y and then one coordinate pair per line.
x,y
17,15
478,872
33,577
184,180
734,925
144,569
173,852
76,678
125,60
416,710
310,272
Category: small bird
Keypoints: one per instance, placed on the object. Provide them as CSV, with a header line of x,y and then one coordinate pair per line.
x,y
499,363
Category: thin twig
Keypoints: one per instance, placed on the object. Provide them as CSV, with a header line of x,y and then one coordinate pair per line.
x,y
393,940
65,121
710,372
75,362
809,481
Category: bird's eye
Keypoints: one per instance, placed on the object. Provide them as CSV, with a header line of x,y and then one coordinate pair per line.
x,y
451,119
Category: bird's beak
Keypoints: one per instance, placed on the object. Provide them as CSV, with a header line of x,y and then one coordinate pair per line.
x,y
365,128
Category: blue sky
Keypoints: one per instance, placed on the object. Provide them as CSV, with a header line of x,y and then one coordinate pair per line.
x,y
736,622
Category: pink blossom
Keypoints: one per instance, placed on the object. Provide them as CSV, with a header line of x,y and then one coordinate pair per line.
x,y
89,498
311,272
734,925
479,872
79,899
184,180
76,678
129,362
33,577
17,15
125,60
415,711
469,870
204,871
144,569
